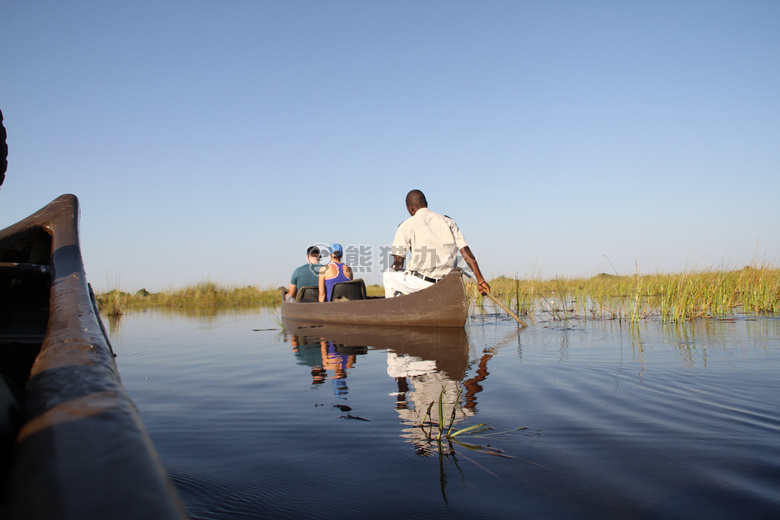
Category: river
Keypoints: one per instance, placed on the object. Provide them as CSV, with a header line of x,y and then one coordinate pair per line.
x,y
588,419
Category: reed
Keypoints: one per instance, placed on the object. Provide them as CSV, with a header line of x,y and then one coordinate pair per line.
x,y
672,297
441,429
113,303
375,290
204,294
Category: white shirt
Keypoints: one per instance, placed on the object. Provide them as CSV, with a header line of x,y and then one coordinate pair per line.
x,y
434,241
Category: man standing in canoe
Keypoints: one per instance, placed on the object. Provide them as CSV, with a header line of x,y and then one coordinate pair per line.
x,y
434,241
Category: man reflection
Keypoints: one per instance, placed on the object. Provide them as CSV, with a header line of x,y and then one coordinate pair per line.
x,y
472,385
420,383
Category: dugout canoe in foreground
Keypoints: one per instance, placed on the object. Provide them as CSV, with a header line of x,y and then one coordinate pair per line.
x,y
443,304
73,445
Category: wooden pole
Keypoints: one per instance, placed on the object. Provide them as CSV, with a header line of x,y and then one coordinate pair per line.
x,y
501,304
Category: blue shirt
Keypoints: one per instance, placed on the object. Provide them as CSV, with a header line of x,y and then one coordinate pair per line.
x,y
307,274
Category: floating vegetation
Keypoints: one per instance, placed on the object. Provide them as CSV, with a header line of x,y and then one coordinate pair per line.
x,y
348,410
443,436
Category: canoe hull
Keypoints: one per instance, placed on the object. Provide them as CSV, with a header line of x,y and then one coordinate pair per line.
x,y
444,304
80,449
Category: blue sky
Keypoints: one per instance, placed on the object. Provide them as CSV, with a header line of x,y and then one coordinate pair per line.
x,y
216,140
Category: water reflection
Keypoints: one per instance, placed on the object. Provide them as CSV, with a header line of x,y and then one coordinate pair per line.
x,y
428,365
326,359
629,423
425,393
203,314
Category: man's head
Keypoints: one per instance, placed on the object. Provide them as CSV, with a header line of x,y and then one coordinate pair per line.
x,y
313,254
415,200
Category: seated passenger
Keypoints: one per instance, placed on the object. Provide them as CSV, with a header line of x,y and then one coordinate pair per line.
x,y
334,273
307,274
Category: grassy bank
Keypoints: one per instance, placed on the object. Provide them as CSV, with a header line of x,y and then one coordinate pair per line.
x,y
204,294
672,297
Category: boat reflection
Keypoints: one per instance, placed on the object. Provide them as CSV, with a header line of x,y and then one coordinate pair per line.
x,y
429,365
327,358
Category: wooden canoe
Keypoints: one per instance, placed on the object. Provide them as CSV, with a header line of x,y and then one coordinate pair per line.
x,y
443,304
73,445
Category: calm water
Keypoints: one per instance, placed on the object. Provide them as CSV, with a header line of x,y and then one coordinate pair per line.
x,y
647,421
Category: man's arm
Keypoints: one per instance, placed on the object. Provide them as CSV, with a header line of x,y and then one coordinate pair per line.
x,y
468,256
400,246
398,263
292,291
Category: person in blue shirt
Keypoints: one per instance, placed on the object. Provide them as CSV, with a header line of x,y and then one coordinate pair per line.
x,y
307,274
335,272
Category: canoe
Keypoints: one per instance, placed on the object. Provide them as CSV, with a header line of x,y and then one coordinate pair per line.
x,y
73,445
443,304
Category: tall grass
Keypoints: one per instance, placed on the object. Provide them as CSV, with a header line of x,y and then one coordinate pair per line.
x,y
672,297
205,294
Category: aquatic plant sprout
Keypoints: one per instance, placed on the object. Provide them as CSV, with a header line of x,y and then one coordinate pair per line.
x,y
445,428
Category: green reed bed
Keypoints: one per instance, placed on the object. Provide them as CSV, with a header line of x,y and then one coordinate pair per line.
x,y
672,297
202,295
518,295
